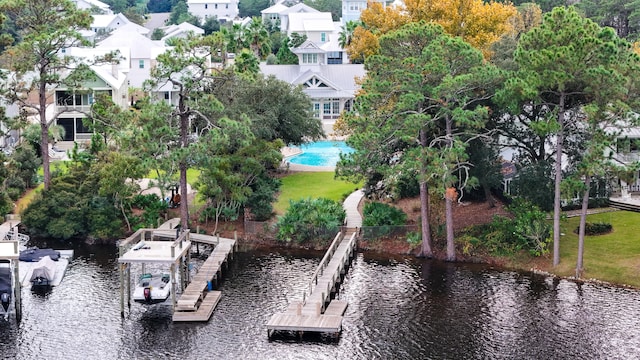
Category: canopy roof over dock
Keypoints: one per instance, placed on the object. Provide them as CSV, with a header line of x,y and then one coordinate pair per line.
x,y
9,250
156,251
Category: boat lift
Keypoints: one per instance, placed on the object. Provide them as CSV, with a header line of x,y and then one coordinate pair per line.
x,y
10,251
142,247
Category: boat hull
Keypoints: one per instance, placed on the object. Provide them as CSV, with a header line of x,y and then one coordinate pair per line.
x,y
152,289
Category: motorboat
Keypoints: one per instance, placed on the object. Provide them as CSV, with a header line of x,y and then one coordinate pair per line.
x,y
43,272
35,254
152,288
5,286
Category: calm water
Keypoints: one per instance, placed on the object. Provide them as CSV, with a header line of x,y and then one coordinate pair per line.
x,y
321,153
403,308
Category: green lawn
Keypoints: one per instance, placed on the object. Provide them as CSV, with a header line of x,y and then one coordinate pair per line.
x,y
312,184
613,257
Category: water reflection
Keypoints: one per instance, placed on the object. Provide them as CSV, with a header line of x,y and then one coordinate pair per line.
x,y
399,308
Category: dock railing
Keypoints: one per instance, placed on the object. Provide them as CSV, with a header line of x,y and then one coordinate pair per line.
x,y
323,264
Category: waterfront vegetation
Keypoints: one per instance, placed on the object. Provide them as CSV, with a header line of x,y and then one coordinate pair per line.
x,y
444,148
312,184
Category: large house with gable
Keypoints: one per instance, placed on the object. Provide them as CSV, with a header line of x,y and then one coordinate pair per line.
x,y
331,87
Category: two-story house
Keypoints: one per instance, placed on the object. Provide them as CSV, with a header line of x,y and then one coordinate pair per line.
x,y
331,87
73,106
223,10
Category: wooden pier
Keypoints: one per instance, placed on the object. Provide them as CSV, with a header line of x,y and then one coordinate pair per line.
x,y
197,301
310,314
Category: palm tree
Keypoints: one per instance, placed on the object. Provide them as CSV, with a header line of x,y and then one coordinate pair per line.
x,y
347,33
257,36
234,36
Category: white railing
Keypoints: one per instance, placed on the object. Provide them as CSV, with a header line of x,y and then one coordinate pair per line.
x,y
14,235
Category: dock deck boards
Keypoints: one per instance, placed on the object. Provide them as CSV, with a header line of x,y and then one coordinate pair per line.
x,y
309,314
196,303
204,311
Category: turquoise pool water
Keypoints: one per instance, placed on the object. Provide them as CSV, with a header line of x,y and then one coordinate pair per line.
x,y
321,153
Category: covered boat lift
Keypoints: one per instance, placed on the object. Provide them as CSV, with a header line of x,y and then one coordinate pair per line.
x,y
143,247
10,252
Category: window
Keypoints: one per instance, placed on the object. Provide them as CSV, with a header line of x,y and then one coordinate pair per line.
x,y
206,6
316,110
215,6
323,37
80,127
141,64
68,125
326,108
166,95
347,105
309,58
226,6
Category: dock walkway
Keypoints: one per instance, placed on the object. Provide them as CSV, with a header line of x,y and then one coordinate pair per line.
x,y
310,314
197,302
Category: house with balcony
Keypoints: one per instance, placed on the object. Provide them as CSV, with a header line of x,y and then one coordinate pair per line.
x,y
331,87
72,106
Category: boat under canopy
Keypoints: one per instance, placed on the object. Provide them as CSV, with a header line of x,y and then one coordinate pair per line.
x,y
5,286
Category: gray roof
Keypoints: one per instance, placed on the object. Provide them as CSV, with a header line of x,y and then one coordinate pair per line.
x,y
341,77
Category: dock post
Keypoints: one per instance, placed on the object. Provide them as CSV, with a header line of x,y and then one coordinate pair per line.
x,y
173,285
127,270
17,291
120,268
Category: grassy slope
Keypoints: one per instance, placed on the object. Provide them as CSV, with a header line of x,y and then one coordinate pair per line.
x,y
311,184
613,257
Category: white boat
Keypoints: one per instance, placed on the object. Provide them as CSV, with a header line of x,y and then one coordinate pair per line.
x,y
152,288
44,272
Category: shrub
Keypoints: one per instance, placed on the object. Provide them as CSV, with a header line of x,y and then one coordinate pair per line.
x,y
310,219
528,230
595,229
379,214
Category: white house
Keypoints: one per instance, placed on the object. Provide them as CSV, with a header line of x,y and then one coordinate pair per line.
x,y
272,13
317,26
180,31
331,87
296,9
225,10
95,6
103,24
138,54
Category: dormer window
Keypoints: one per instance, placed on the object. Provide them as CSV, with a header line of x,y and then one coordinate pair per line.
x,y
323,37
309,58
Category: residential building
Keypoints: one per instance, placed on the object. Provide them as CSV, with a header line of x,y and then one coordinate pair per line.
x,y
352,9
180,31
223,10
138,54
331,87
95,6
104,24
74,106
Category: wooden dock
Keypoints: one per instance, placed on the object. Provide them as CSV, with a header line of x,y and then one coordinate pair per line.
x,y
196,303
310,314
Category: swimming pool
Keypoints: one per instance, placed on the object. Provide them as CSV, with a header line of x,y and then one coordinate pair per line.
x,y
320,153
